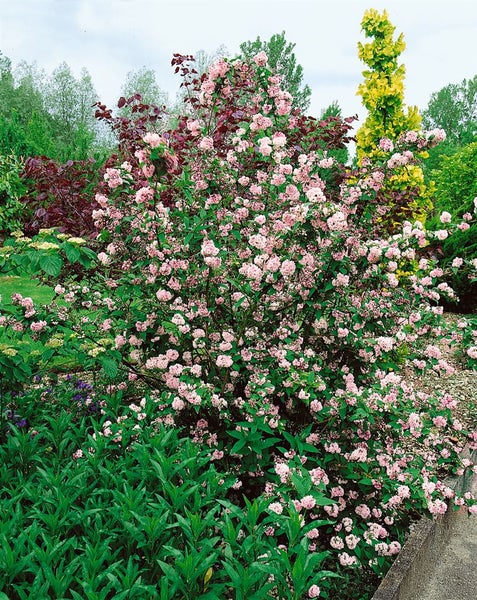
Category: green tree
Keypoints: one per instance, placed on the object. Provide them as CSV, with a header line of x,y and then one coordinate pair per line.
x,y
6,76
143,81
332,110
282,60
456,183
61,101
29,102
24,123
454,109
382,92
69,102
29,85
46,115
7,108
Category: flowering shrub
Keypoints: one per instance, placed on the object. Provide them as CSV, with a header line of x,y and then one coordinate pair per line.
x,y
244,293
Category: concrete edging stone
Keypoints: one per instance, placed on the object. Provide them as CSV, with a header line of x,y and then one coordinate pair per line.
x,y
416,561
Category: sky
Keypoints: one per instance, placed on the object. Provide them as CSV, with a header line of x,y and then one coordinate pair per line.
x,y
112,37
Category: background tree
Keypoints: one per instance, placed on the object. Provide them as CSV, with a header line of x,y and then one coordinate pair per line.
x,y
69,102
10,128
46,115
142,94
282,59
198,65
454,109
330,113
24,122
203,60
6,80
405,195
143,81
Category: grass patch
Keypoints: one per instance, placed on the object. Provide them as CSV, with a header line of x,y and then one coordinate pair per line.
x,y
27,287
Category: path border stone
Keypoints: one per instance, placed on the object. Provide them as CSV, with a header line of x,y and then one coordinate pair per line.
x,y
416,560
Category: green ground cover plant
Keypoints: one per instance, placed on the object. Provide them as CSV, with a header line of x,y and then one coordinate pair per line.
x,y
139,515
240,428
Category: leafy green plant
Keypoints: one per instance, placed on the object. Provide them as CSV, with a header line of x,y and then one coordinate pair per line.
x,y
23,352
456,190
11,190
153,521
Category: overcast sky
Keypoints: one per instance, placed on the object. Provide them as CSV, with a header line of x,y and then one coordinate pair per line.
x,y
112,37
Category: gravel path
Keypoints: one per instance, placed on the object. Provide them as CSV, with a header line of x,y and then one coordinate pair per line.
x,y
462,384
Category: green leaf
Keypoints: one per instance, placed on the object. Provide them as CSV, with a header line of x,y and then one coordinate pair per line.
x,y
238,447
170,572
235,576
51,264
110,367
72,252
188,238
47,354
302,485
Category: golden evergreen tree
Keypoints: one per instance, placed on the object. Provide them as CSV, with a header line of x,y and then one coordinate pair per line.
x,y
382,93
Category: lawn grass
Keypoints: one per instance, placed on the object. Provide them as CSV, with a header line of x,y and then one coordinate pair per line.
x,y
27,287
41,294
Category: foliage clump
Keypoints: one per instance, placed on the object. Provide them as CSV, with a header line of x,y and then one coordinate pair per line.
x,y
456,194
11,190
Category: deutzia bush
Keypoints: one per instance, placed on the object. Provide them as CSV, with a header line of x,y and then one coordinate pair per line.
x,y
243,292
